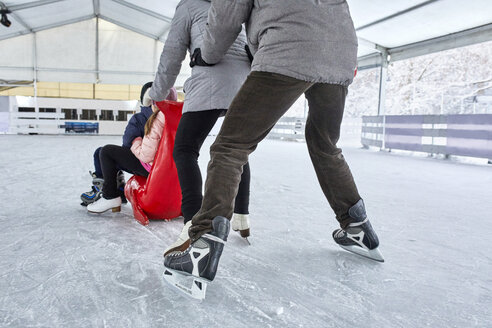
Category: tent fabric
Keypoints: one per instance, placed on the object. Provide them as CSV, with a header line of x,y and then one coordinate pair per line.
x,y
119,41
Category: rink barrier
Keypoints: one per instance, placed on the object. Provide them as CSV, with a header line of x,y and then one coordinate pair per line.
x,y
36,123
460,135
289,128
55,123
292,128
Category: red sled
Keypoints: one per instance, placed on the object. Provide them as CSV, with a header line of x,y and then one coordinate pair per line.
x,y
158,197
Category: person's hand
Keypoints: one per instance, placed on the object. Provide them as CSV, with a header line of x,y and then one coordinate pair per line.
x,y
197,60
147,101
248,51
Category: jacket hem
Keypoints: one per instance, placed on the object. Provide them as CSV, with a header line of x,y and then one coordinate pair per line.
x,y
296,75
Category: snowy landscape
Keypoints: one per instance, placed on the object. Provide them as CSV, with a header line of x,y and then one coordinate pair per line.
x,y
456,81
61,267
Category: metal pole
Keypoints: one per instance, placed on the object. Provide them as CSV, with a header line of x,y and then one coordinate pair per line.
x,y
154,58
383,75
97,50
35,72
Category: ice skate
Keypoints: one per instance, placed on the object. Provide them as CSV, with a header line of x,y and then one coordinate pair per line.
x,y
240,223
120,185
359,237
102,205
95,193
183,241
190,271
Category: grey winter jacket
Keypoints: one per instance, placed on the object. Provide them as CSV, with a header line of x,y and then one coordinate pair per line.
x,y
208,88
310,40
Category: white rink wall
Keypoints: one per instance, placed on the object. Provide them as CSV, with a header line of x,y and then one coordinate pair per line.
x,y
9,114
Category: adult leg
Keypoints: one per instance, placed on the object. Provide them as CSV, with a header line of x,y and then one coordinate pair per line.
x,y
112,159
326,105
193,128
241,203
261,101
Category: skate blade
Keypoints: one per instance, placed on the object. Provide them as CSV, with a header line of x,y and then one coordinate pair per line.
x,y
373,254
244,234
198,287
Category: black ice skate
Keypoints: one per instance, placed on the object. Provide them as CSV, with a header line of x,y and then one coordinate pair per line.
x,y
359,237
120,185
197,264
95,193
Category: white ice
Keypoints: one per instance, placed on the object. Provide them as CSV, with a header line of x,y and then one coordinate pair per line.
x,y
61,267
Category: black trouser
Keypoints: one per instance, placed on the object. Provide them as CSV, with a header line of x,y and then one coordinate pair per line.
x,y
193,128
259,104
113,158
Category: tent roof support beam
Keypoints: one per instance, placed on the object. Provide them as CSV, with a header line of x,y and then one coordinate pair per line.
x,y
128,27
143,10
47,27
97,7
400,13
33,4
451,41
455,40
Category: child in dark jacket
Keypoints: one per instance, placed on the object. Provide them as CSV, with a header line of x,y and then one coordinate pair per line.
x,y
133,130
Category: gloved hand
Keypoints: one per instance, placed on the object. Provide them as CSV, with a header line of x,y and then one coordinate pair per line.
x,y
196,59
147,101
248,51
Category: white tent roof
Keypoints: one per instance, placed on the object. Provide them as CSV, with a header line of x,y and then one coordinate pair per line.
x,y
103,50
147,17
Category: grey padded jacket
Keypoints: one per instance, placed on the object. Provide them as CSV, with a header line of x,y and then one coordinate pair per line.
x,y
208,88
310,40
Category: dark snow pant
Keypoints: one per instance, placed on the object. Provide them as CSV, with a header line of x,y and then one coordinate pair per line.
x,y
113,158
193,128
97,163
259,104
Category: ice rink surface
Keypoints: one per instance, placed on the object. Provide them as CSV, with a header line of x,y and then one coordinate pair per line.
x,y
60,267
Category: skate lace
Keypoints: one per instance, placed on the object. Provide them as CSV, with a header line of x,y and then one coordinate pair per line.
x,y
178,253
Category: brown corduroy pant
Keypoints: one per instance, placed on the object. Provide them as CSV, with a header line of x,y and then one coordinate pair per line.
x,y
259,104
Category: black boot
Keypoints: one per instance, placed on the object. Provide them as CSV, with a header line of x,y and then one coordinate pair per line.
x,y
120,185
358,236
201,259
95,193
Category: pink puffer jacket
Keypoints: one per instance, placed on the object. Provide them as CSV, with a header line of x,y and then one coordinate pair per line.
x,y
146,148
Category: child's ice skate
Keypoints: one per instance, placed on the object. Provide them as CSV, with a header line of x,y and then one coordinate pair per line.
x,y
120,185
95,193
240,223
197,265
359,237
102,205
